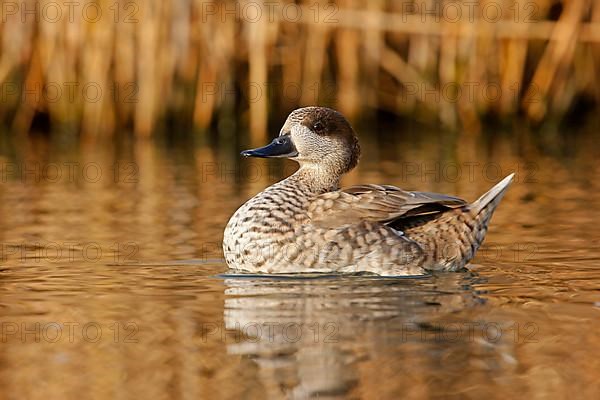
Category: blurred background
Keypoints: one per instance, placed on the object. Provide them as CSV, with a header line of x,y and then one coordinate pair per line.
x,y
106,68
121,124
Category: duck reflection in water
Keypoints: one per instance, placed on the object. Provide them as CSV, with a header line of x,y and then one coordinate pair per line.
x,y
317,337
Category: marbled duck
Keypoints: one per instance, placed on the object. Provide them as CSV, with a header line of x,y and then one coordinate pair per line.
x,y
305,223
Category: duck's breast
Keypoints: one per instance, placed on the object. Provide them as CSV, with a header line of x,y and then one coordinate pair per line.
x,y
259,229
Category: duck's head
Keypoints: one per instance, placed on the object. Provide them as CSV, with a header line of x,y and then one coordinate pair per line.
x,y
316,137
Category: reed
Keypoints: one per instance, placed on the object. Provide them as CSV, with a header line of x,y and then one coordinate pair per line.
x,y
103,68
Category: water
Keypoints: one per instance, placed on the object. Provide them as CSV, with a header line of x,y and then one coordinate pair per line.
x,y
111,282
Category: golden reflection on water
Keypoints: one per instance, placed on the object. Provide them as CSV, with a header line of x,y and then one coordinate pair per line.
x,y
109,284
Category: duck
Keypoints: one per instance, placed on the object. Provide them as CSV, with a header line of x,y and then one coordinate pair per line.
x,y
306,224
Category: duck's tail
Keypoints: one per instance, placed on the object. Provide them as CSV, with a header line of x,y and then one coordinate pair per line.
x,y
452,240
479,213
486,204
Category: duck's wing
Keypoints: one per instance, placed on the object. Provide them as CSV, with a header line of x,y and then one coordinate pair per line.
x,y
381,203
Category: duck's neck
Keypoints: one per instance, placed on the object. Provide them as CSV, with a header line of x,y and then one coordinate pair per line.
x,y
315,179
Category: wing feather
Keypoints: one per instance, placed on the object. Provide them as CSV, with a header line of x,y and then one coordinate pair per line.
x,y
381,203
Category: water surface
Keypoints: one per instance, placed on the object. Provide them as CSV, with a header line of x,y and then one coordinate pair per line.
x,y
111,283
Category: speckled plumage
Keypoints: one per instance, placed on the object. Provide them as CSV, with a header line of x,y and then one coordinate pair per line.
x,y
305,223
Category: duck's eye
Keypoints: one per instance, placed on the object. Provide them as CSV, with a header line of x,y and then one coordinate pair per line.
x,y
318,126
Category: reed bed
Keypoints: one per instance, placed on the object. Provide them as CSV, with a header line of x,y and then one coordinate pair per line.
x,y
103,68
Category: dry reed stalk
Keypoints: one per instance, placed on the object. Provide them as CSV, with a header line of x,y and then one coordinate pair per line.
x,y
313,62
28,105
147,70
469,56
210,61
124,72
291,55
595,50
257,60
347,54
373,42
558,53
447,72
513,68
96,115
422,49
205,105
